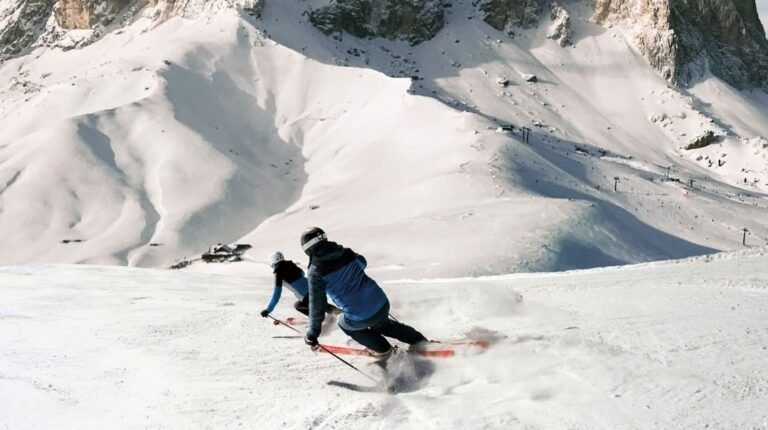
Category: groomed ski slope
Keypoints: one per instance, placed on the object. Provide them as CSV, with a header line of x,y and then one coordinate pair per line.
x,y
678,344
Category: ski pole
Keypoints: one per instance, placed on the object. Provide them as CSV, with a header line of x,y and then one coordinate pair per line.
x,y
277,321
349,364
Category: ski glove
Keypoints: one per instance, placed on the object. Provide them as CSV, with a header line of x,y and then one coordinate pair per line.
x,y
264,313
311,340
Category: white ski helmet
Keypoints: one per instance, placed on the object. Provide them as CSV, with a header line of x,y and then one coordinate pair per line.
x,y
276,258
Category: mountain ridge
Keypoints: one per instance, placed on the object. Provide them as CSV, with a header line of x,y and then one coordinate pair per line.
x,y
681,40
156,141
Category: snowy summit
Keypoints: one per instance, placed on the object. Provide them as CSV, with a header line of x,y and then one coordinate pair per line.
x,y
383,214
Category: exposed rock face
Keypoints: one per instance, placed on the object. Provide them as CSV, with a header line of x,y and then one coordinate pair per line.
x,y
504,15
82,14
683,39
561,25
509,15
25,24
412,20
161,10
705,139
21,24
255,9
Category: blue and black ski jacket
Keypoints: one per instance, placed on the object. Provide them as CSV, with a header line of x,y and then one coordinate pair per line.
x,y
339,273
288,274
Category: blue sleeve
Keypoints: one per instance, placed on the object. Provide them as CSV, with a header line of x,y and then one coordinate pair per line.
x,y
362,261
275,294
275,298
317,302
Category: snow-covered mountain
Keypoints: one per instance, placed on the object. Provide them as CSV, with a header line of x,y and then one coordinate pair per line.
x,y
141,133
439,139
682,40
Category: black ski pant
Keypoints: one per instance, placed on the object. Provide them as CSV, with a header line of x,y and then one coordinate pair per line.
x,y
303,307
373,336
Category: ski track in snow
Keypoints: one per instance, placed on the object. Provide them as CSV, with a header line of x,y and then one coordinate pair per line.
x,y
661,345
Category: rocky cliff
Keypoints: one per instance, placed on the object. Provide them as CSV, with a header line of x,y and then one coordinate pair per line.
x,y
412,20
725,36
25,24
505,15
21,23
682,39
685,39
84,14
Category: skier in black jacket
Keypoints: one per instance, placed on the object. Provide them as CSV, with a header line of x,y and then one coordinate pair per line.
x,y
289,275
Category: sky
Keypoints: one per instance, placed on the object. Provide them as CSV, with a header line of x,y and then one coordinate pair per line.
x,y
762,9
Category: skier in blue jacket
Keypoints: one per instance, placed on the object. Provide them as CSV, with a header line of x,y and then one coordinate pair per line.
x,y
289,275
339,272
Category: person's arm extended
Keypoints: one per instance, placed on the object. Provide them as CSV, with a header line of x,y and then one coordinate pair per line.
x,y
317,304
275,297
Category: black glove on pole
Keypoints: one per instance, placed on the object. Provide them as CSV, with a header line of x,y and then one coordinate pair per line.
x,y
311,340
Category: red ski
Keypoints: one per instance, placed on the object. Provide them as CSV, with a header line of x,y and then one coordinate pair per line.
x,y
482,344
346,350
293,321
297,321
477,344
